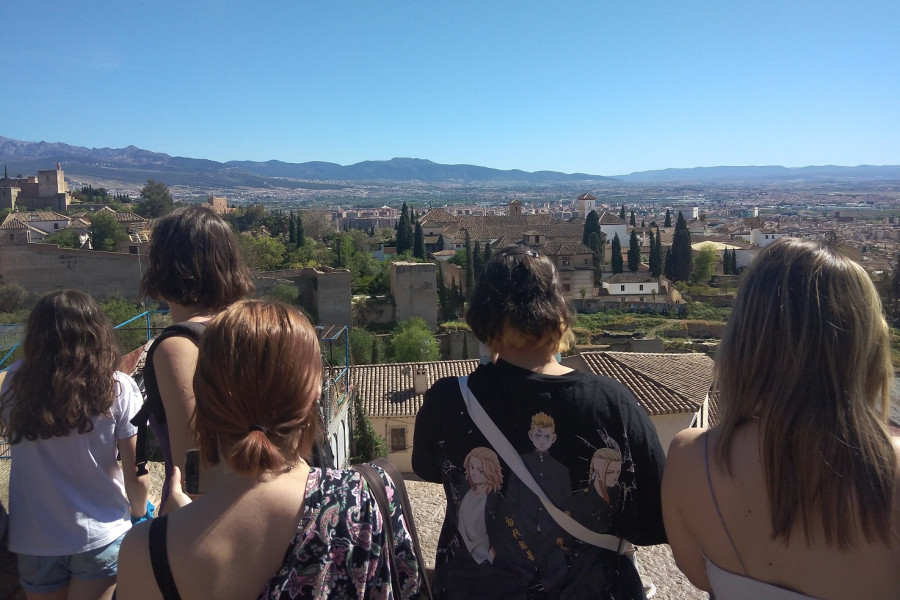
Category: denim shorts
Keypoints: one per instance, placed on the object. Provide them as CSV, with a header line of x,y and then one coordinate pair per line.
x,y
46,574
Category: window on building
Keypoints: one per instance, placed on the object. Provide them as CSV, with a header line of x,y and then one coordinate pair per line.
x,y
642,287
56,226
398,439
567,287
566,260
623,287
132,250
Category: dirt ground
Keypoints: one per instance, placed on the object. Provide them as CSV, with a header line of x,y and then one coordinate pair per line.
x,y
427,500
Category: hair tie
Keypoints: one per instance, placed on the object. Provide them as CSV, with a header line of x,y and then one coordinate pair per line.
x,y
258,428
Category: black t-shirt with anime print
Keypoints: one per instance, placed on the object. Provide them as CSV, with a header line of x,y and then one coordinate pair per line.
x,y
585,440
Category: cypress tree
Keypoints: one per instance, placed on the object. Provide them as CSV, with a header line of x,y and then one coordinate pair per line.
x,y
622,213
594,244
404,231
616,258
487,252
734,267
632,221
470,269
679,258
301,235
653,261
668,222
376,351
726,262
634,251
477,261
591,225
418,241
292,229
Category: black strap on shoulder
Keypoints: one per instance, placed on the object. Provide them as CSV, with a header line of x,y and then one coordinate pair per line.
x,y
159,560
377,485
188,329
377,488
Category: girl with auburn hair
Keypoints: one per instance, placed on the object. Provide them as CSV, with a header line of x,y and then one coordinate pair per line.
x,y
801,472
194,265
271,526
554,417
65,411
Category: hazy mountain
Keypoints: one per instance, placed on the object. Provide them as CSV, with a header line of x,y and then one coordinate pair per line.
x,y
766,174
134,165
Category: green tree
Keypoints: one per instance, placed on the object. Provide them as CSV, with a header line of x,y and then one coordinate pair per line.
x,y
470,268
678,258
622,213
616,258
631,221
156,200
595,245
413,341
360,346
591,225
477,261
283,292
106,231
262,252
369,445
67,238
726,261
704,264
377,350
651,257
634,251
119,310
486,253
668,221
418,241
12,295
300,235
292,229
404,231
734,267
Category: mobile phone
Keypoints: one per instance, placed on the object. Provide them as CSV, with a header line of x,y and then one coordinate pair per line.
x,y
192,471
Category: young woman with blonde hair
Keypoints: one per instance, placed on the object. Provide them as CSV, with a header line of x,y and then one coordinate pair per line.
x,y
796,493
271,526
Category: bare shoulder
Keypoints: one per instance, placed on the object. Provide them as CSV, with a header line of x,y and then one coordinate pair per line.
x,y
686,442
135,576
175,348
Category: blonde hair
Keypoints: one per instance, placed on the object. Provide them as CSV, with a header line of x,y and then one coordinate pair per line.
x,y
542,420
258,379
807,352
608,455
493,475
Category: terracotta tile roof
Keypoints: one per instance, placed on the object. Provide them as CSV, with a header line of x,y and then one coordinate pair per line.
x,y
714,408
565,248
608,218
586,196
387,390
629,277
662,383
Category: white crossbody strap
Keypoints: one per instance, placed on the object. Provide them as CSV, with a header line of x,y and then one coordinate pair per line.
x,y
512,458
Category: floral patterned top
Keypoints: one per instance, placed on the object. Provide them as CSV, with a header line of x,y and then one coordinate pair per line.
x,y
337,552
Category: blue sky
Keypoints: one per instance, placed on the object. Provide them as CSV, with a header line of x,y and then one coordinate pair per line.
x,y
599,87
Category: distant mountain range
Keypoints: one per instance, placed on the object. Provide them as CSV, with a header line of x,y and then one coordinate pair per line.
x,y
134,165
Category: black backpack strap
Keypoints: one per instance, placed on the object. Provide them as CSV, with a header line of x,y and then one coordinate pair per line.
x,y
188,329
159,559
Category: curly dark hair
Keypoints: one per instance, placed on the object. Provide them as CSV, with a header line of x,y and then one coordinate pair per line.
x,y
66,375
194,259
518,300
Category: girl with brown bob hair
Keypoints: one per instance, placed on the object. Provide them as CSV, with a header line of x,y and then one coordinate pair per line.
x,y
802,471
194,265
271,526
65,411
554,417
518,303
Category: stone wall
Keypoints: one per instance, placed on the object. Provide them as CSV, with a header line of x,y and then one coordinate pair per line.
x,y
414,288
43,268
